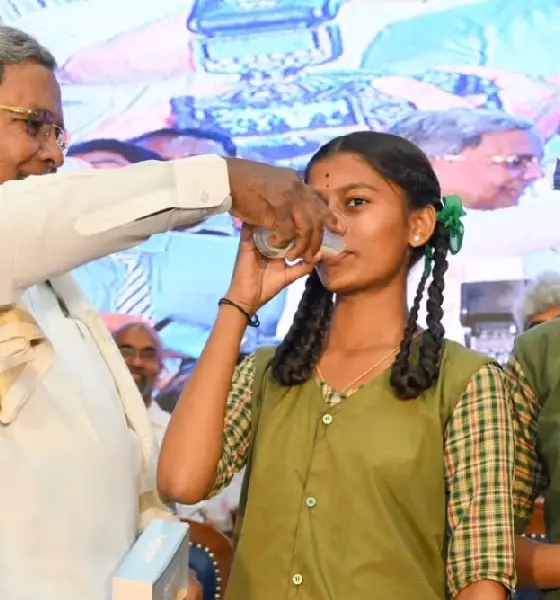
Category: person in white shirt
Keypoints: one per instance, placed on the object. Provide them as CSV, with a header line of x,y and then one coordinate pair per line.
x,y
142,351
77,449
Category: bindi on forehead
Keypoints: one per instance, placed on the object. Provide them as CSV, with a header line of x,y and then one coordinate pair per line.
x,y
327,183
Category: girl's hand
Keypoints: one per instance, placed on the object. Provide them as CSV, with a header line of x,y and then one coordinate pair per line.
x,y
257,279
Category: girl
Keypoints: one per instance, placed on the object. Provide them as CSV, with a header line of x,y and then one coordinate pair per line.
x,y
379,457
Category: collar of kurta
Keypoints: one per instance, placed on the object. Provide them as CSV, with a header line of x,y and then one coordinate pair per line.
x,y
26,354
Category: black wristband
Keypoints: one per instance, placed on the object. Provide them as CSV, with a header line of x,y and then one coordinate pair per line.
x,y
252,320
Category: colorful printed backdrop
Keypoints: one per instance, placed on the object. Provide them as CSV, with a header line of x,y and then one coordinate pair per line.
x,y
273,79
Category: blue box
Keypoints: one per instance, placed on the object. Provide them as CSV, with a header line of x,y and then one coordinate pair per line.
x,y
157,565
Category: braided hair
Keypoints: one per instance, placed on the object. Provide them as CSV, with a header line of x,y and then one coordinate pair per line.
x,y
405,165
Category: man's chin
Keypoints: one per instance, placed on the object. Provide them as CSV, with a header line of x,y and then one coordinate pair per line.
x,y
21,176
144,387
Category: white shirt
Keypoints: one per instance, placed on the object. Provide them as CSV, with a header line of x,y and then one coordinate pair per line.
x,y
159,419
69,459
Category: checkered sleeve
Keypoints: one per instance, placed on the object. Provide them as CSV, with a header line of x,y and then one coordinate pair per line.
x,y
530,474
479,464
237,424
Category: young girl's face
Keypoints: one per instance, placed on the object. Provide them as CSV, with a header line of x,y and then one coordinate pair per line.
x,y
381,227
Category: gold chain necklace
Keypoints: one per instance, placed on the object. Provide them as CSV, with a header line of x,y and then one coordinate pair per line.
x,y
366,372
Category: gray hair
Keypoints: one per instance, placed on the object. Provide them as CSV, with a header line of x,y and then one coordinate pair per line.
x,y
18,47
450,131
542,295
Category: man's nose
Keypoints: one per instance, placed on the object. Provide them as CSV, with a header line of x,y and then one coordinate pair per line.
x,y
136,361
533,171
52,153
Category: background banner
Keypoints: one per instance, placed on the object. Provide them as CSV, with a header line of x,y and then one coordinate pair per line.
x,y
474,83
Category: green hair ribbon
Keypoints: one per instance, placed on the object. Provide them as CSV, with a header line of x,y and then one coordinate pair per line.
x,y
450,217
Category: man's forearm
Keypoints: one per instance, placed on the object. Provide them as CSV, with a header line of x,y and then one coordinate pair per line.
x,y
538,564
52,224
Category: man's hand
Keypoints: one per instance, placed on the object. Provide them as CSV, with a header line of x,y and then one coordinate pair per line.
x,y
276,198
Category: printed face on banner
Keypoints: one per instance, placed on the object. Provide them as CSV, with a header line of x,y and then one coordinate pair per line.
x,y
261,80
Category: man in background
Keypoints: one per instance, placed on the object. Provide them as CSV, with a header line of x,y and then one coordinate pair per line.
x,y
142,351
486,157
491,160
111,153
541,301
171,143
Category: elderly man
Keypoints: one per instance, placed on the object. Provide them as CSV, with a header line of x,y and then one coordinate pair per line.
x,y
76,445
142,351
541,301
485,156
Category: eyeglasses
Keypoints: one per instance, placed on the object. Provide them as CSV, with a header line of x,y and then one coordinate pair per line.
x,y
147,354
40,123
513,162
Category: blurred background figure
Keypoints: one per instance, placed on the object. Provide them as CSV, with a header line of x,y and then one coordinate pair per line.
x,y
485,156
173,143
110,153
540,302
491,160
143,353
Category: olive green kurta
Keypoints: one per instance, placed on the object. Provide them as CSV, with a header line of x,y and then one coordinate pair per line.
x,y
347,502
538,353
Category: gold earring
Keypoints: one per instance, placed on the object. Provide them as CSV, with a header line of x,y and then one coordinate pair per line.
x,y
416,238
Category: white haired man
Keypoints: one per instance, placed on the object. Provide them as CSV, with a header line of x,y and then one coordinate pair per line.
x,y
76,446
541,301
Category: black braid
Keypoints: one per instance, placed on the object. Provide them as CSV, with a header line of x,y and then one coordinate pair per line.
x,y
409,379
299,353
407,167
403,380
